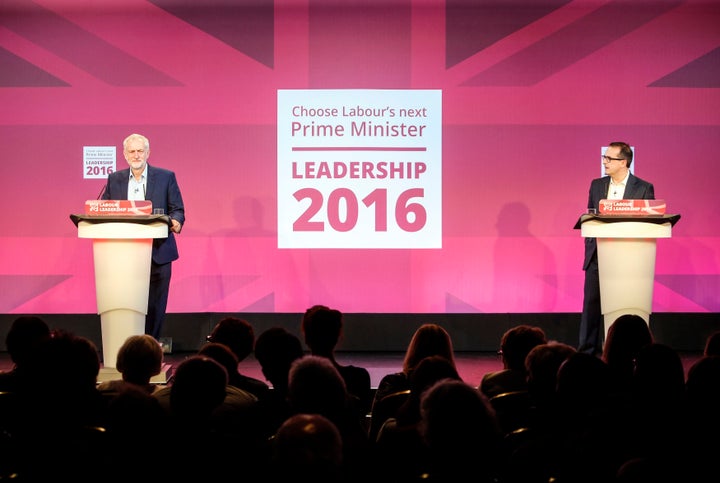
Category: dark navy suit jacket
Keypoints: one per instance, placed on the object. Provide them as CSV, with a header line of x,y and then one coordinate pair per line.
x,y
635,189
164,192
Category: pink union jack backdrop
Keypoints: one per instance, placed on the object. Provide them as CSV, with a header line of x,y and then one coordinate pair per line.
x,y
530,92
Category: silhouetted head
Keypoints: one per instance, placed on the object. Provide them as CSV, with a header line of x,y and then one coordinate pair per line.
x,y
308,446
139,358
428,340
221,354
236,333
316,386
275,350
517,342
199,386
24,336
322,328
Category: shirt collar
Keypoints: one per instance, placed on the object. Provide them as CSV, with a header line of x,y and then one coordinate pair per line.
x,y
143,176
623,182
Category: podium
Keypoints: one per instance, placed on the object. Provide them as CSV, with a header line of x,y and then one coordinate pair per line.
x,y
122,251
626,249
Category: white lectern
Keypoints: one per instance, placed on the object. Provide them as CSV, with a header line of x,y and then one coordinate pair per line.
x,y
122,250
626,248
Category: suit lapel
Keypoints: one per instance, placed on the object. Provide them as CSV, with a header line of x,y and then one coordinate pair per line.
x,y
149,184
605,187
631,188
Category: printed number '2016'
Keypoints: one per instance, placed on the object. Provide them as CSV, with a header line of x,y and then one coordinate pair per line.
x,y
403,209
98,170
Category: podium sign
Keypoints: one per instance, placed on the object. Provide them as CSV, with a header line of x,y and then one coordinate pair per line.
x,y
626,250
122,252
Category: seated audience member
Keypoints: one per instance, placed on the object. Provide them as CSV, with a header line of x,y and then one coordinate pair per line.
x,y
427,340
26,333
515,345
625,337
399,448
134,421
532,450
240,412
322,328
239,335
702,389
198,388
307,447
66,367
61,415
275,350
315,386
542,364
203,451
462,434
658,410
222,354
139,359
592,423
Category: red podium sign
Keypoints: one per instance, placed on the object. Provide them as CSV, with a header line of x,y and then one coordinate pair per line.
x,y
118,207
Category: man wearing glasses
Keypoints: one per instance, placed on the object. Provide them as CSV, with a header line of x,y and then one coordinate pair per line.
x,y
617,184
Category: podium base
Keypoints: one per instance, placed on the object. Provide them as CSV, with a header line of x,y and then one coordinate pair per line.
x,y
111,373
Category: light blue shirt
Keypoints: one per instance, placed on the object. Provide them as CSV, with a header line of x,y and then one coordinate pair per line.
x,y
137,189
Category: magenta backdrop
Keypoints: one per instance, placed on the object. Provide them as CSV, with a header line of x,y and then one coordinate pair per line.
x,y
529,97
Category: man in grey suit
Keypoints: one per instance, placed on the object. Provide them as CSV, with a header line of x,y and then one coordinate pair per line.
x,y
144,182
617,184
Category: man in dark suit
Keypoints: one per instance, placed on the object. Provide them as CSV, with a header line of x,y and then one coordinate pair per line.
x,y
618,184
144,182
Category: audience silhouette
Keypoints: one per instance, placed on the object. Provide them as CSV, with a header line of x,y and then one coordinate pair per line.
x,y
531,450
26,333
590,426
625,337
239,336
315,386
275,350
703,423
399,447
198,394
139,359
658,412
134,421
515,344
62,415
631,415
462,434
307,447
542,364
322,328
428,340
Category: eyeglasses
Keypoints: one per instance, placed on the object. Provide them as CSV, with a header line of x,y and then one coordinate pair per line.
x,y
608,158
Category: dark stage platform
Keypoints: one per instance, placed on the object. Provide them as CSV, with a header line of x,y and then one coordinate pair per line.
x,y
387,333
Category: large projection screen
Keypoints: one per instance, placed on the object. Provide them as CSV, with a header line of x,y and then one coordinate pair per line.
x,y
505,109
